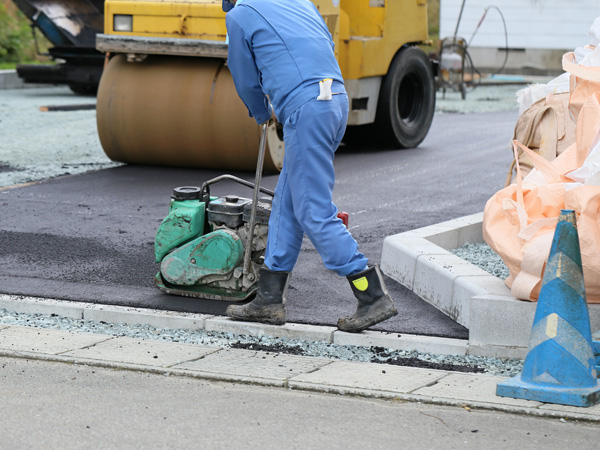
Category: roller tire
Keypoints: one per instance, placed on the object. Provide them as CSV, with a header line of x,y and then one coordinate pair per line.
x,y
84,89
406,100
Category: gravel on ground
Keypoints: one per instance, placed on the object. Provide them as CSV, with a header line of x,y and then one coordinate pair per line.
x,y
482,256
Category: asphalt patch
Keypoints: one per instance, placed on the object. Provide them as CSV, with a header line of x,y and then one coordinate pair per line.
x,y
380,356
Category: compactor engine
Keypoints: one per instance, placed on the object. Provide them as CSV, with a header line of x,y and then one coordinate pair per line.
x,y
202,243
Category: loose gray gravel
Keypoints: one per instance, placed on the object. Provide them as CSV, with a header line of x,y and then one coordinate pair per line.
x,y
33,148
482,256
492,366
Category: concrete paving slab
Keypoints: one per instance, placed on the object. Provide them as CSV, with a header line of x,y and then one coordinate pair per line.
x,y
272,369
43,340
430,344
474,388
139,351
254,364
347,376
132,316
312,333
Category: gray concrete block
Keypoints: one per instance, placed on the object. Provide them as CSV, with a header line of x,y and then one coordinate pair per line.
x,y
434,280
46,341
474,388
443,235
496,351
290,330
132,316
399,256
341,375
396,341
467,286
247,364
500,321
471,232
10,80
452,233
145,352
33,305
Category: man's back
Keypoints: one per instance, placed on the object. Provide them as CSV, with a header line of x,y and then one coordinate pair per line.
x,y
291,46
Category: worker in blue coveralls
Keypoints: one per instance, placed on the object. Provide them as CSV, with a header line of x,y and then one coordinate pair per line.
x,y
283,49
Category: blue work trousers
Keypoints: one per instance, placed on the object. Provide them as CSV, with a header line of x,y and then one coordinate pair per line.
x,y
303,196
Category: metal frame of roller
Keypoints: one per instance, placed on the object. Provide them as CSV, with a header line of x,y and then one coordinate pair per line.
x,y
166,96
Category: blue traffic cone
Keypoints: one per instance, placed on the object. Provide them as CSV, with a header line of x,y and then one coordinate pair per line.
x,y
560,363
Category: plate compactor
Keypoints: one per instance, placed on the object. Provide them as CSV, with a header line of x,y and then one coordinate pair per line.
x,y
211,247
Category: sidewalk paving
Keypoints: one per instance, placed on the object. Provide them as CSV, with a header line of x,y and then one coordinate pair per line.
x,y
275,369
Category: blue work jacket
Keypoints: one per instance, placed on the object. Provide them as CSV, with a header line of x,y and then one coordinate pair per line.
x,y
279,48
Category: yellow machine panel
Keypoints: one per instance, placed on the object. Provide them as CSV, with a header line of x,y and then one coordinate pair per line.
x,y
367,33
199,19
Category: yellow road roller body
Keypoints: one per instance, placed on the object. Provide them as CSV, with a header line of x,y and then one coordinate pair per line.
x,y
166,96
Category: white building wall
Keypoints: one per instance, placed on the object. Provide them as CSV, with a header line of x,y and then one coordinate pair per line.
x,y
533,24
539,31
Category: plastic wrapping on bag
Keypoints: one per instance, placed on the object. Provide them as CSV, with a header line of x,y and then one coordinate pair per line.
x,y
536,92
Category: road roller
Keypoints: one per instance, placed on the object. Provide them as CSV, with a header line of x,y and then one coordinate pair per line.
x,y
166,96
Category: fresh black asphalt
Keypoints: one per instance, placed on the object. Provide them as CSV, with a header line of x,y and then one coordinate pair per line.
x,y
90,237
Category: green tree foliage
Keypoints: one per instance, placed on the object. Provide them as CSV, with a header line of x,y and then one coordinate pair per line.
x,y
16,40
15,37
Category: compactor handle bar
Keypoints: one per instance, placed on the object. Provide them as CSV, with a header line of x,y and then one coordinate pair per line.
x,y
205,191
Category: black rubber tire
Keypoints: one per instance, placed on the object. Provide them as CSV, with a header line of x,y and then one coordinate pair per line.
x,y
84,89
406,100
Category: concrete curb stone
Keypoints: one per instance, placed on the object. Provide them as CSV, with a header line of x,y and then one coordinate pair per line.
x,y
312,333
155,318
499,324
398,341
33,305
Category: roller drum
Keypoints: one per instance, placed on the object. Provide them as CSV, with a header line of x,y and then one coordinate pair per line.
x,y
179,111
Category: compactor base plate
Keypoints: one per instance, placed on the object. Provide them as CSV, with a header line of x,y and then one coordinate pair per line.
x,y
206,292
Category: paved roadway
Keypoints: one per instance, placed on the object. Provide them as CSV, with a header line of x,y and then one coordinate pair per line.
x,y
65,406
90,237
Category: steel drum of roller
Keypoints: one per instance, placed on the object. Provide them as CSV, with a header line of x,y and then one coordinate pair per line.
x,y
179,111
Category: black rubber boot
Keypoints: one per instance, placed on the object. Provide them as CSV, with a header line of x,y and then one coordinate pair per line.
x,y
374,302
269,304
